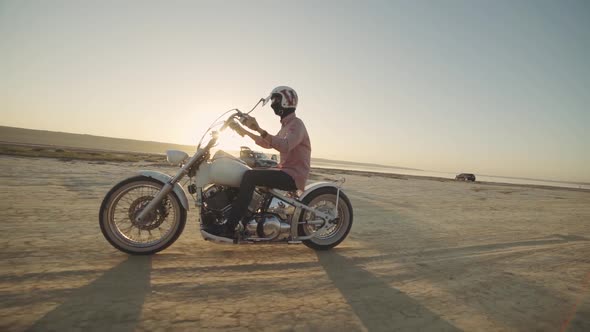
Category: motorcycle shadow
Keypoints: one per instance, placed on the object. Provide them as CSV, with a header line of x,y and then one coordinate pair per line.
x,y
378,305
115,297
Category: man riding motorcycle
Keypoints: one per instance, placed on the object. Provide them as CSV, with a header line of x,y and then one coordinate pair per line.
x,y
292,141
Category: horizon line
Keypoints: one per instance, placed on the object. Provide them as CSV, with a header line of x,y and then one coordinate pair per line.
x,y
584,182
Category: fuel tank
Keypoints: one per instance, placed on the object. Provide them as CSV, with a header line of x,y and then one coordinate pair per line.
x,y
224,169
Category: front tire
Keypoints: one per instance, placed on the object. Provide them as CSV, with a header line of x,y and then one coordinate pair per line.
x,y
325,199
124,201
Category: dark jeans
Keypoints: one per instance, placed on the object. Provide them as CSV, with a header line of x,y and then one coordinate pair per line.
x,y
272,178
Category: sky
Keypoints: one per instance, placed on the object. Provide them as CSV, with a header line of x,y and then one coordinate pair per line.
x,y
487,87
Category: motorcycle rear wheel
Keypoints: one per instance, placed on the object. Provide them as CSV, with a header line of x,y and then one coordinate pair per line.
x,y
325,199
123,203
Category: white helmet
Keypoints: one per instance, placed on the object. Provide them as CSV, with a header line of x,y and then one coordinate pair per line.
x,y
283,98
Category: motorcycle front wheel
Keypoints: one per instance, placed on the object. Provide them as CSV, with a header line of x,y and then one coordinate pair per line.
x,y
122,204
324,199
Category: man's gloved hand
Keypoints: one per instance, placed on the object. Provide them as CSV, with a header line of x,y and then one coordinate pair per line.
x,y
237,128
250,122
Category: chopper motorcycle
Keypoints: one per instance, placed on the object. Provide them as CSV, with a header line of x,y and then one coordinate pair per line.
x,y
146,213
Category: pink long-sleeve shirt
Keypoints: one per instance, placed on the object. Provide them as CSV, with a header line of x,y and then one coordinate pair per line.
x,y
292,141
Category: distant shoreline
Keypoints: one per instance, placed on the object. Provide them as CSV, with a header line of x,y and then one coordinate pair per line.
x,y
66,153
334,171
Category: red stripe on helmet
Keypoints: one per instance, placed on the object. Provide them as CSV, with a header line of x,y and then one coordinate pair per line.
x,y
289,97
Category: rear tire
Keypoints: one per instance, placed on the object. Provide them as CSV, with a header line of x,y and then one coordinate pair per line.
x,y
124,201
325,198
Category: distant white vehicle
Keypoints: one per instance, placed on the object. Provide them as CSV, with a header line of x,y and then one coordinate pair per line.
x,y
256,159
465,177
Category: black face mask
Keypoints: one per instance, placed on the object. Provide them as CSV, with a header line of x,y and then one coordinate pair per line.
x,y
283,112
277,108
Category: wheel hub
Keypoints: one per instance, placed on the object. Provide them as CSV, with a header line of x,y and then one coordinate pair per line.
x,y
153,219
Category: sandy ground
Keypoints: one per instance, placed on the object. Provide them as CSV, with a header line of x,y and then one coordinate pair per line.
x,y
423,255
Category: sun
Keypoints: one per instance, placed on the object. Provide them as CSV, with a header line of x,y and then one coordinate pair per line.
x,y
231,142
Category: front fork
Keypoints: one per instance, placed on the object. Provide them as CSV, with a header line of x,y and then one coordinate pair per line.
x,y
168,187
155,201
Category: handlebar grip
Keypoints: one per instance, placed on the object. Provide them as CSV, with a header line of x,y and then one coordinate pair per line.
x,y
243,118
228,121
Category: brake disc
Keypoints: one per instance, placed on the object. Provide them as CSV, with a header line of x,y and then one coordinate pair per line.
x,y
154,219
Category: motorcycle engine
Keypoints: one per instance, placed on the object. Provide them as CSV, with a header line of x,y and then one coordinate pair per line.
x,y
217,202
219,198
273,223
268,223
269,226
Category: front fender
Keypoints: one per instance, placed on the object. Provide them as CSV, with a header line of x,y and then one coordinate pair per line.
x,y
165,178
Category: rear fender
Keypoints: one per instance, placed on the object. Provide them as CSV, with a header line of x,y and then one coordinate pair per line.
x,y
317,185
165,178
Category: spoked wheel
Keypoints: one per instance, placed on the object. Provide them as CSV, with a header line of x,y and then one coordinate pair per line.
x,y
324,200
123,204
